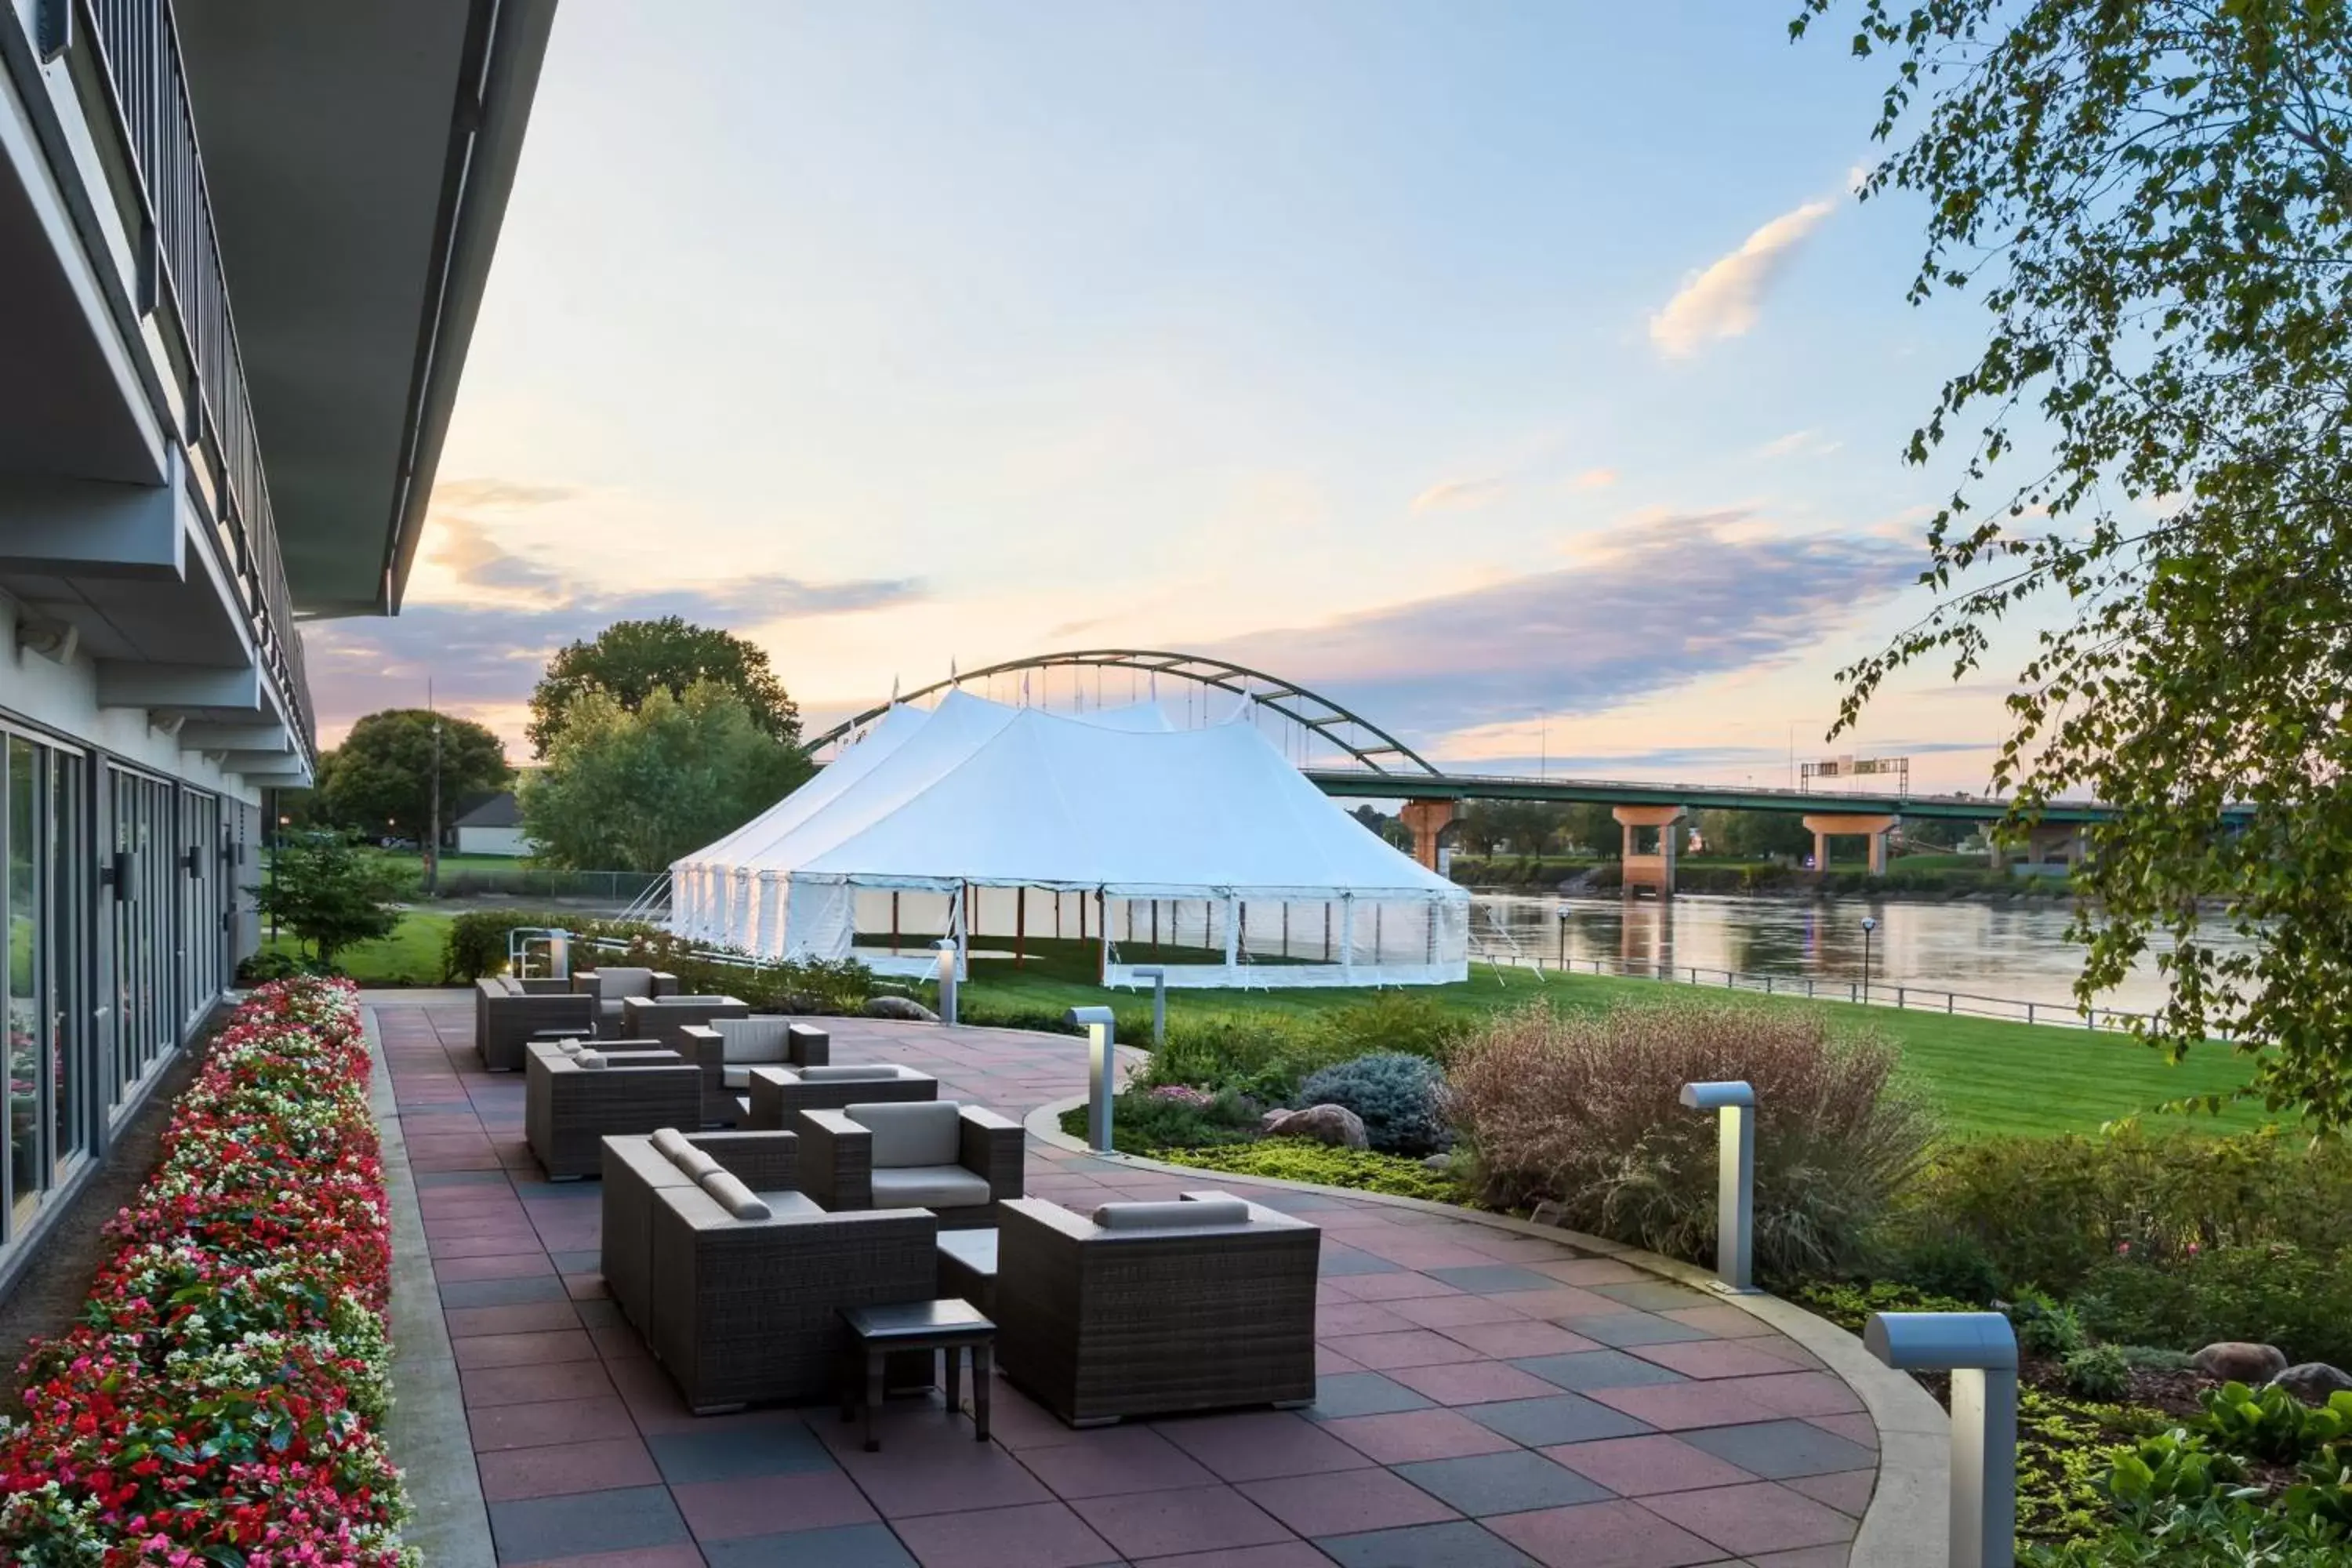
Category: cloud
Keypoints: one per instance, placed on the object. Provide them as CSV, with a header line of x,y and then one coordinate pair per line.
x,y
1799,444
452,494
1458,495
467,550
1596,479
1668,601
1723,300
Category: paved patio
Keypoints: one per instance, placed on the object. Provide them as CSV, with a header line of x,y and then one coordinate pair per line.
x,y
1487,1397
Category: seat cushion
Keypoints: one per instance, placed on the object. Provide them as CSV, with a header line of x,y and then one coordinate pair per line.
x,y
919,1132
735,1077
612,985
927,1187
1173,1216
728,1191
860,1072
754,1039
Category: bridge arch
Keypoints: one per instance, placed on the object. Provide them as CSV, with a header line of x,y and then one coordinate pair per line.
x,y
1372,746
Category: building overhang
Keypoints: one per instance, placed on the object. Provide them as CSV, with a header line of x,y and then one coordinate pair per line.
x,y
360,156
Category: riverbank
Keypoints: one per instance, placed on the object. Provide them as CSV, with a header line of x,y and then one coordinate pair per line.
x,y
1933,878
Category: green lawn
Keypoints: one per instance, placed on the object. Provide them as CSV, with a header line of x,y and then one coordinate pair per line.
x,y
1985,1075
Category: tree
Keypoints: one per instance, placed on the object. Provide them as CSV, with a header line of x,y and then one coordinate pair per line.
x,y
2153,201
632,790
633,660
1755,834
381,778
329,893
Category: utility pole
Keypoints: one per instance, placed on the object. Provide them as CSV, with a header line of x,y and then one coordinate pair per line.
x,y
433,837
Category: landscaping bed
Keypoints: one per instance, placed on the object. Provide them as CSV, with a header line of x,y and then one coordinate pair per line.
x,y
218,1401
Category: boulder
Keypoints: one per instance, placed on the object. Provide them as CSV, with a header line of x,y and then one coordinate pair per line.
x,y
901,1008
1441,1163
1333,1125
2235,1361
2313,1381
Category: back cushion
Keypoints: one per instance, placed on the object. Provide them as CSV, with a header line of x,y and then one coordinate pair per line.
x,y
728,1191
1172,1217
861,1072
754,1039
923,1133
612,985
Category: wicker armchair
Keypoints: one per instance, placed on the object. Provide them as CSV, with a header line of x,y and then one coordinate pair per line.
x,y
634,1169
611,986
741,1292
728,1048
778,1094
569,1108
507,1011
1145,1311
958,1161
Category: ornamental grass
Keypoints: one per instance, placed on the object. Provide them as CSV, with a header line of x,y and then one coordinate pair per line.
x,y
217,1401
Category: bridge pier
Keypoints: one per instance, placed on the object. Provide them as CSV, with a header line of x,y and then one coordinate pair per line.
x,y
1653,871
1427,820
1827,825
2060,842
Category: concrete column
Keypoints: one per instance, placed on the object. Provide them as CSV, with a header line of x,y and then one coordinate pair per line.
x,y
1878,854
1839,824
1821,851
1655,871
1427,820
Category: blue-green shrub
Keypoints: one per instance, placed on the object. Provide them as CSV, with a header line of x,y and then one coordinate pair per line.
x,y
1397,1096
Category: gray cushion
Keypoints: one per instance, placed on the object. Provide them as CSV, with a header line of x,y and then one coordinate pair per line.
x,y
728,1191
1173,1216
760,1039
860,1072
921,1133
612,985
929,1187
696,1162
671,1143
589,1060
735,1078
788,1202
611,1009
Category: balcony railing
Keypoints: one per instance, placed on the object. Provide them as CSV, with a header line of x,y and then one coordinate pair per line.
x,y
181,287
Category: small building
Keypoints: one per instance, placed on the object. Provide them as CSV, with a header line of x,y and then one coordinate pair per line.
x,y
493,827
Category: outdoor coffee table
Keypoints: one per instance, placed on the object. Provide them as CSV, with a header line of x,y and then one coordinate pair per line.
x,y
948,1327
968,1267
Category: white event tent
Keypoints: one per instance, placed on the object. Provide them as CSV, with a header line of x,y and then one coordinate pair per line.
x,y
1135,835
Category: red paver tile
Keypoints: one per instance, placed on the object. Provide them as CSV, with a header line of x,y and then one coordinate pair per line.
x,y
1602,1535
619,1341
1163,1523
503,1241
1857,1428
933,1466
1510,1246
1472,1382
1562,1301
1347,1501
552,1421
505,1265
1448,1311
1759,1517
1038,1535
1114,1460
1800,1393
1404,1436
1714,1358
559,1469
1525,1337
1634,1467
1328,1359
1260,1444
762,1505
1727,1323
527,1318
1342,1317
1416,1347
533,1385
1848,1492
1835,1556
1678,1407
1594,1271
585,1286
1288,1555
1403,1285
644,1557
523,1350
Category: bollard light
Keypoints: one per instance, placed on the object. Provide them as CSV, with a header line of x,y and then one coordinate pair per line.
x,y
1159,978
948,966
1979,1350
1735,1208
1099,1025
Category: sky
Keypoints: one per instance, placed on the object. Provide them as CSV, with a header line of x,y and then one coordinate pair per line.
x,y
1525,376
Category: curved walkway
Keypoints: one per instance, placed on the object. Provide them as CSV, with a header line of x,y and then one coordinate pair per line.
x,y
1490,1394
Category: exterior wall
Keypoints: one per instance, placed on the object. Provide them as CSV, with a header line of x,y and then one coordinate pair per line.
x,y
492,841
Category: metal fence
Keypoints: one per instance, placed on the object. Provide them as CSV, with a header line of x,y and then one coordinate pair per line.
x,y
621,889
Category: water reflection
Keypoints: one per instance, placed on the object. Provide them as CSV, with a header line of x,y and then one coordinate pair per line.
x,y
2016,951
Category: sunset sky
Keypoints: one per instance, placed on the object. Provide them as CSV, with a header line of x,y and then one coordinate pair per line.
x,y
1507,371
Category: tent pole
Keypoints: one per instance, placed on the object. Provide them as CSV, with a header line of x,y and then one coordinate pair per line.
x,y
1082,917
1285,928
1102,919
1020,925
1155,928
894,922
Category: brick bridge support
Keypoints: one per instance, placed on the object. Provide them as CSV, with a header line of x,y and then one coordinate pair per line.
x,y
1827,825
1428,820
1654,869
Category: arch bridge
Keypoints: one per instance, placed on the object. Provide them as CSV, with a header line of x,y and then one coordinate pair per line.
x,y
1379,766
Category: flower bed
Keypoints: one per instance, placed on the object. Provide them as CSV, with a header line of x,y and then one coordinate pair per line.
x,y
218,1401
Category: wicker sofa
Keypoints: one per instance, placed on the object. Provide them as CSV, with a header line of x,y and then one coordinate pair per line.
x,y
611,986
958,1161
739,1292
728,1048
574,1099
777,1094
1148,1310
507,1011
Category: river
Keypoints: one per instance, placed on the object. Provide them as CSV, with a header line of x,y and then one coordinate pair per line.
x,y
2013,951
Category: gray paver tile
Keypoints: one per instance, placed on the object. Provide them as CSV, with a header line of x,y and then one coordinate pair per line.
x,y
1562,1418
1515,1482
544,1527
1779,1449
1459,1545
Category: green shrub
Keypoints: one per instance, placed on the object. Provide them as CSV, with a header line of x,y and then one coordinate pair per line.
x,y
1849,1303
2323,1491
2218,1532
1262,1055
2270,1294
1944,1262
2172,1466
1395,1022
2271,1424
2051,1211
477,943
1396,1095
476,946
2097,1372
2066,1449
2044,1327
1296,1160
1583,1110
1144,1121
2153,1358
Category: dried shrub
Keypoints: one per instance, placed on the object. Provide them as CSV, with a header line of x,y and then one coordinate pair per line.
x,y
1583,1111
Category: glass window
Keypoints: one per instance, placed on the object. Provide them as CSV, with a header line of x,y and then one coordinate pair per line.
x,y
28,1097
67,873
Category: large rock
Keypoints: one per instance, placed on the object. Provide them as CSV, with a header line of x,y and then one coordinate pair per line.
x,y
2235,1361
2313,1381
902,1007
1333,1125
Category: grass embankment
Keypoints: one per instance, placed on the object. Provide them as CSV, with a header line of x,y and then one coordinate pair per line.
x,y
1984,1074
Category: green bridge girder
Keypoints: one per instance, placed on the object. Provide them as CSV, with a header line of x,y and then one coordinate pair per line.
x,y
1361,784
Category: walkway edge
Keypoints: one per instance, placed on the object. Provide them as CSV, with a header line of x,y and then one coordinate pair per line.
x,y
1906,1525
426,1431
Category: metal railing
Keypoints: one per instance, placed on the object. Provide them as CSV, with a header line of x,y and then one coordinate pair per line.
x,y
136,47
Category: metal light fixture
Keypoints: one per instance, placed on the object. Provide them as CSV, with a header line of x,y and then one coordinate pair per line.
x,y
1869,924
1101,1052
1979,1350
1734,1104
